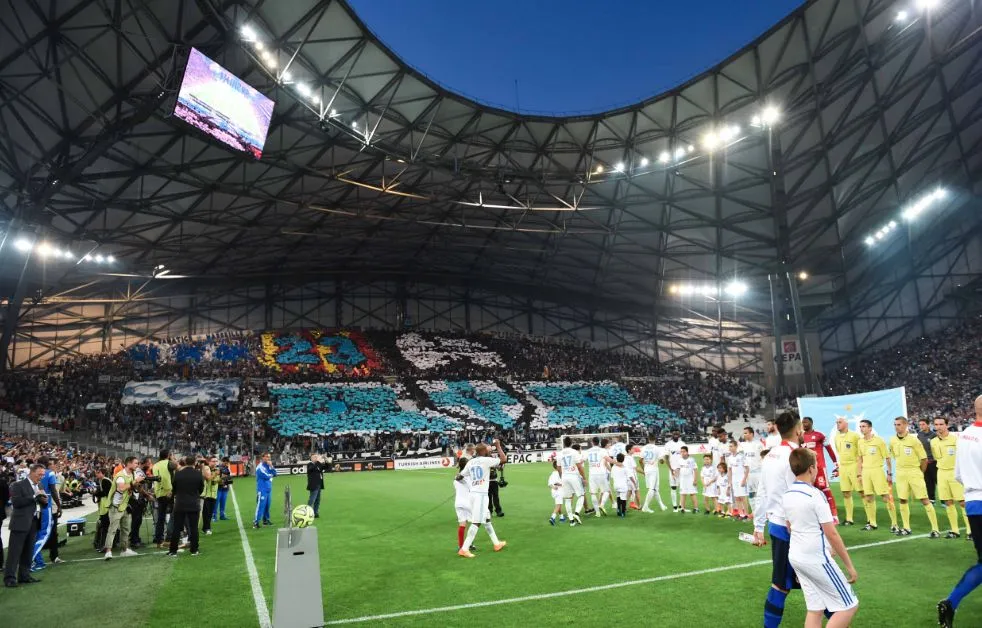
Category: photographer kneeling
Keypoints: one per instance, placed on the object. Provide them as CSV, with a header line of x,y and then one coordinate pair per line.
x,y
188,485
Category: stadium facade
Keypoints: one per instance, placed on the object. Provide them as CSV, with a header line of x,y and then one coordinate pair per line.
x,y
383,199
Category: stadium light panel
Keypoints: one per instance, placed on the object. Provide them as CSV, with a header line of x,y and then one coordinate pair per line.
x,y
736,288
770,115
99,259
286,77
248,33
619,167
664,157
927,5
110,259
690,148
711,141
644,162
803,276
756,121
870,241
23,245
303,90
599,169
679,152
259,46
901,16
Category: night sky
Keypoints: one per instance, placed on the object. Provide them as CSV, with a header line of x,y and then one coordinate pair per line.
x,y
567,55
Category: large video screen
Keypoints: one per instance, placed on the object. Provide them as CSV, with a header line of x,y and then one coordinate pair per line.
x,y
223,106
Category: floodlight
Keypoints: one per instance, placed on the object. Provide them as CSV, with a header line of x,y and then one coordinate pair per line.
x,y
247,33
663,157
690,148
23,245
286,77
599,169
99,259
709,290
679,152
259,46
940,193
927,5
870,241
901,16
803,276
303,89
673,289
711,140
44,249
736,288
110,259
619,167
354,125
334,112
644,162
770,115
893,224
755,121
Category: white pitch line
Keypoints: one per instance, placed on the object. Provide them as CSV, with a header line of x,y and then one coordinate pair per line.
x,y
604,587
103,559
262,611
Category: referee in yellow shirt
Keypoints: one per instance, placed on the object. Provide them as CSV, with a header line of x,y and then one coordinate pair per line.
x,y
873,453
943,446
911,459
846,445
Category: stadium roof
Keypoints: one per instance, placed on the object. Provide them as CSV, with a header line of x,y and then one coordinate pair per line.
x,y
381,172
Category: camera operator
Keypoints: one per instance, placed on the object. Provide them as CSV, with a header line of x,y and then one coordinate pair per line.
x,y
119,500
140,500
209,471
27,498
100,495
224,484
189,483
163,471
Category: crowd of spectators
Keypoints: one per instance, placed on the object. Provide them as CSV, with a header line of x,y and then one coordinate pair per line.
x,y
941,373
83,393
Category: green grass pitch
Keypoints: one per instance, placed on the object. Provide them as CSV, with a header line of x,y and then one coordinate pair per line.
x,y
412,565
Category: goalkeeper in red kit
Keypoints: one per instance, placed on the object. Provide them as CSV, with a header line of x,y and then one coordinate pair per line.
x,y
815,440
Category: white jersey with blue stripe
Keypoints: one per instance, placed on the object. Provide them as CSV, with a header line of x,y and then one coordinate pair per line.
x,y
806,509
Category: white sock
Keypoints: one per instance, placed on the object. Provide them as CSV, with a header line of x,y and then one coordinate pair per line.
x,y
552,517
603,499
471,535
490,530
579,504
595,500
675,497
647,498
568,504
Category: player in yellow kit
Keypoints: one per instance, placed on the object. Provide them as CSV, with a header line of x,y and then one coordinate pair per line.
x,y
911,459
846,445
943,446
873,453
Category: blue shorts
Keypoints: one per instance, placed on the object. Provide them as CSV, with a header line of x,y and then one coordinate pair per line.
x,y
782,573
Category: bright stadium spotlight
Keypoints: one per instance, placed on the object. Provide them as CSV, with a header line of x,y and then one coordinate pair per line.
x,y
286,77
619,167
23,245
99,258
756,121
803,276
690,148
248,33
664,157
679,152
303,90
927,5
599,169
644,162
259,46
110,259
44,249
940,193
736,288
711,140
870,240
901,16
672,289
770,116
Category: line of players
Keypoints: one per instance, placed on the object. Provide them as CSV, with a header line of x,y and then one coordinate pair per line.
x,y
728,477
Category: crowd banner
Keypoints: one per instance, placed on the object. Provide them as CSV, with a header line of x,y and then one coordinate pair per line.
x,y
180,394
879,407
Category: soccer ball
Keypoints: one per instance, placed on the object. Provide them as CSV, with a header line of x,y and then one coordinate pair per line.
x,y
303,516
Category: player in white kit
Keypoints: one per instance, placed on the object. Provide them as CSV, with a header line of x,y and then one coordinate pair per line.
x,y
688,470
739,475
673,451
556,490
462,502
571,466
599,460
477,472
773,438
709,489
775,479
651,456
813,534
634,492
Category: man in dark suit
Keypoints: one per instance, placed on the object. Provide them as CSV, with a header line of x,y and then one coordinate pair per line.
x,y
315,483
188,485
26,497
